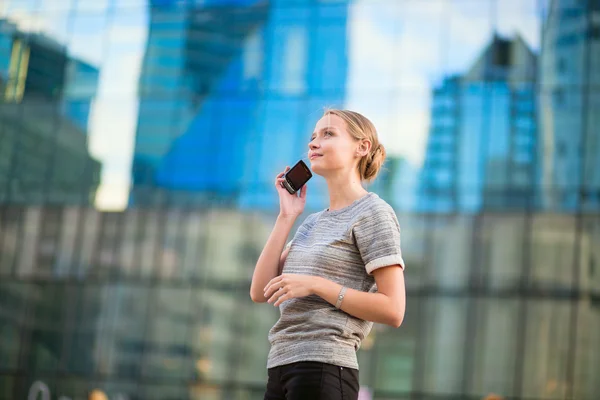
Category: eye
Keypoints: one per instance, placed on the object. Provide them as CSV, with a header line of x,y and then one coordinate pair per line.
x,y
329,133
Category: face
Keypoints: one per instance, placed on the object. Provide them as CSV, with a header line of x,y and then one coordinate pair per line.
x,y
331,148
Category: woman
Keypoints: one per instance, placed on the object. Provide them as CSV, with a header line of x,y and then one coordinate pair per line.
x,y
342,271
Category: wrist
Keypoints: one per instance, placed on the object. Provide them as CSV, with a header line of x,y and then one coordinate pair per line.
x,y
316,286
287,217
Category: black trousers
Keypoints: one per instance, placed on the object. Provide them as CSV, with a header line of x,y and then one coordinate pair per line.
x,y
311,380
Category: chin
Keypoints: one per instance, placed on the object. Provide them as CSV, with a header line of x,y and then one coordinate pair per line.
x,y
317,169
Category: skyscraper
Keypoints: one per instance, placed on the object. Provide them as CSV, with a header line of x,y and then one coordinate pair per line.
x,y
236,99
32,65
35,66
482,142
81,86
570,106
306,70
396,183
44,155
192,65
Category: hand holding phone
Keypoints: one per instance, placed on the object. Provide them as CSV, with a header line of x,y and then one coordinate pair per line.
x,y
296,177
287,184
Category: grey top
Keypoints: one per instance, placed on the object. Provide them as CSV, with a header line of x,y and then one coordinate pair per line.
x,y
344,246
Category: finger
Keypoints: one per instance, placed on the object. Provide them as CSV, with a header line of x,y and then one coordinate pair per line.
x,y
272,289
267,290
276,295
303,192
280,175
283,298
273,298
273,283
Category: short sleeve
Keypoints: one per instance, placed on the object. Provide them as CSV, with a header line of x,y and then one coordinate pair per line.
x,y
377,236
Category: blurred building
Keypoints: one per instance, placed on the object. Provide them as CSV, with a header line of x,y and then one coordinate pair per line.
x,y
305,68
205,332
44,157
194,330
81,87
569,104
483,135
35,66
397,183
44,152
153,302
196,56
222,107
7,31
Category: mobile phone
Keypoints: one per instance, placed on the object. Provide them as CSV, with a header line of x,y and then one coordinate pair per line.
x,y
296,177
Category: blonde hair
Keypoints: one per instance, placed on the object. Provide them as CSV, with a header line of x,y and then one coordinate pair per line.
x,y
360,127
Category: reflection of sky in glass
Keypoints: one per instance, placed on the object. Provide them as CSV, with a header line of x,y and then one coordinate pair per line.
x,y
398,51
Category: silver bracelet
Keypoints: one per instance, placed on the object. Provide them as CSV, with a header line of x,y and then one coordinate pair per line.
x,y
340,297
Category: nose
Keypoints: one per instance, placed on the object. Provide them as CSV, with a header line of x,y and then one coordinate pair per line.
x,y
313,145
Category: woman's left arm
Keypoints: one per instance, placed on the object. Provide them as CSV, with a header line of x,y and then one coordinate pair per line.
x,y
377,238
386,306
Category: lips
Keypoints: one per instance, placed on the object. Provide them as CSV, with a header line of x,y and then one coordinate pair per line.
x,y
315,155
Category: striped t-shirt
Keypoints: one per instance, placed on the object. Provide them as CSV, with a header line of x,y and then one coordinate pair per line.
x,y
343,246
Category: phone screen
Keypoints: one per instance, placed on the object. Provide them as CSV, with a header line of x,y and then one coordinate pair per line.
x,y
299,175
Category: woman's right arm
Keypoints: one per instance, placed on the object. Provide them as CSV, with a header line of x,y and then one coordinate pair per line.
x,y
272,258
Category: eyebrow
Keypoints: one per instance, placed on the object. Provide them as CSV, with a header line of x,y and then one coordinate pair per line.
x,y
327,128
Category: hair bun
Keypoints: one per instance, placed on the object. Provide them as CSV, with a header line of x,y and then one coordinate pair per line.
x,y
375,160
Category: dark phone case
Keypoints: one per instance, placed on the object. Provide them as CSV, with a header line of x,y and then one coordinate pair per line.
x,y
291,187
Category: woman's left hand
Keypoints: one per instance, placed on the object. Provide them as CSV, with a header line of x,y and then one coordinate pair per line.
x,y
289,286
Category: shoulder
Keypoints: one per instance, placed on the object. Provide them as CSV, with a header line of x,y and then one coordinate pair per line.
x,y
375,208
376,216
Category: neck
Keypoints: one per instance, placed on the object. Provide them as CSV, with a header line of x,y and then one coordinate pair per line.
x,y
344,190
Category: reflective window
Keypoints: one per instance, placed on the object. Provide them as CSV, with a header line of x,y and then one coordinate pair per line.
x,y
139,142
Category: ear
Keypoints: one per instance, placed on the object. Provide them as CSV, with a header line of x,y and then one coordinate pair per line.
x,y
363,148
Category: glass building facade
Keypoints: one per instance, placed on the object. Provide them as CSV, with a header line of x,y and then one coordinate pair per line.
x,y
570,73
485,159
230,84
139,141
